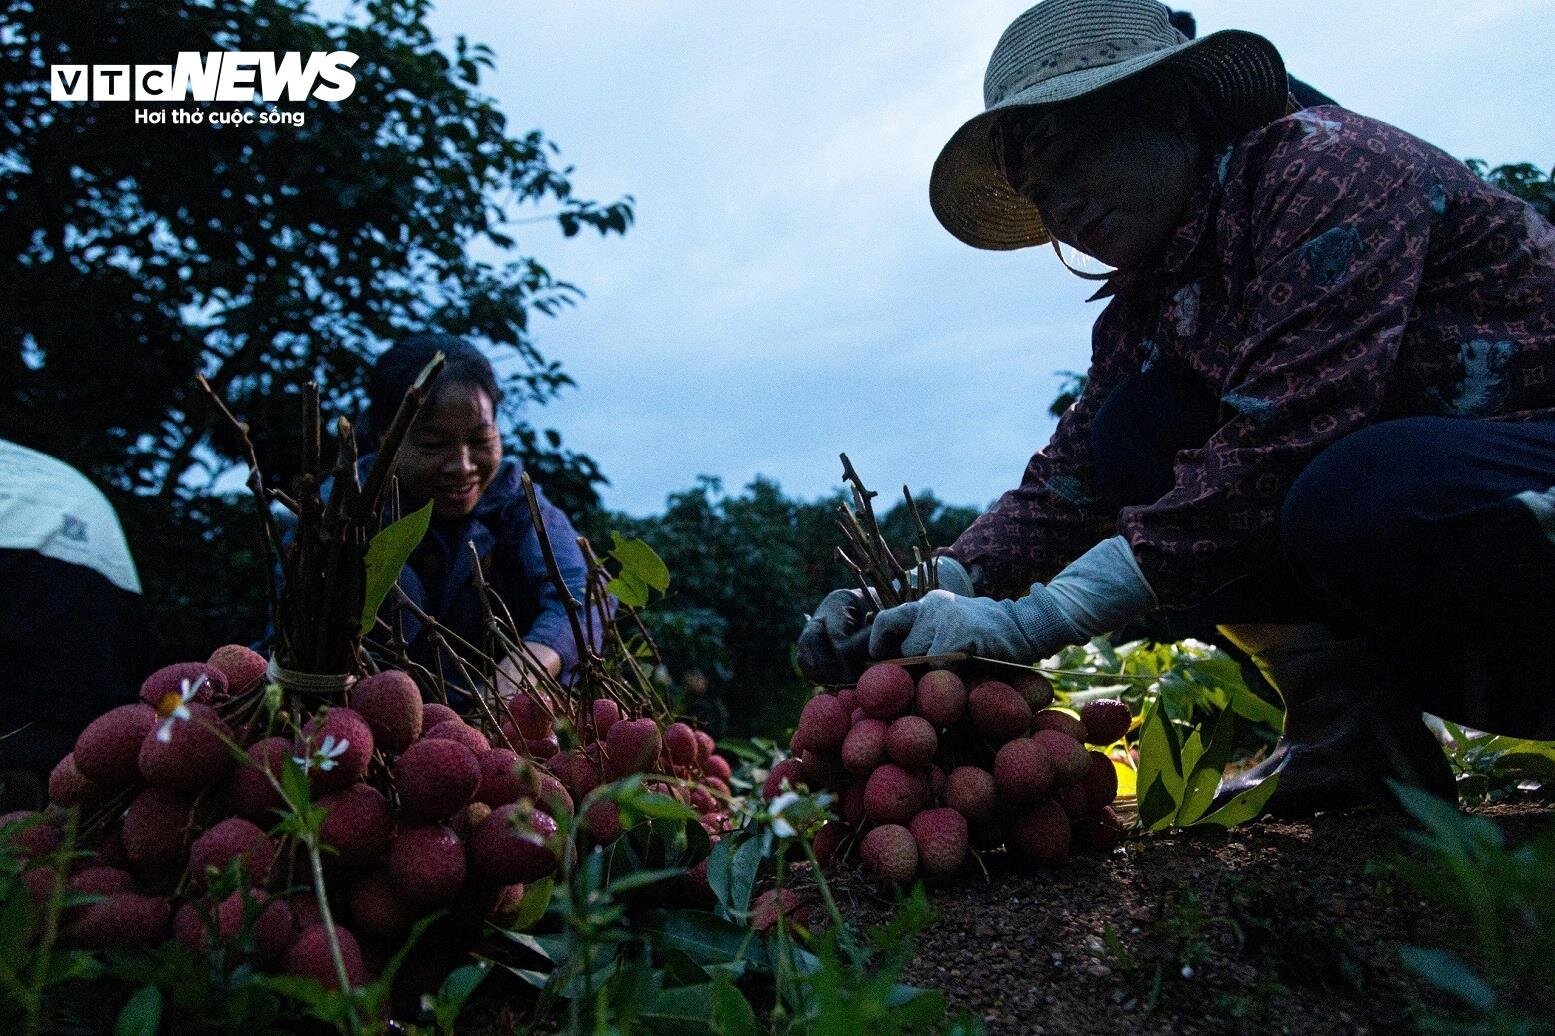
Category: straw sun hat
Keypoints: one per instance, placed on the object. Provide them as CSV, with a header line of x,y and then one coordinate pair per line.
x,y
1063,49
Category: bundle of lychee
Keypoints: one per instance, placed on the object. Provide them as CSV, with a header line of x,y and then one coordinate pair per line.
x,y
421,812
927,766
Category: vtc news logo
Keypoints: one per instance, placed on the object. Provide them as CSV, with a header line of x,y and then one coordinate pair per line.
x,y
221,76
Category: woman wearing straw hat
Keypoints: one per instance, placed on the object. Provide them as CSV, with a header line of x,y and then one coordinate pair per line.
x,y
1320,410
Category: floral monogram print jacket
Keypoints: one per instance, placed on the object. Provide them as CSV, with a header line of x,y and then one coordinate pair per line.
x,y
1332,272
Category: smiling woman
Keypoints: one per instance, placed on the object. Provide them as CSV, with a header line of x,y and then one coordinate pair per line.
x,y
453,458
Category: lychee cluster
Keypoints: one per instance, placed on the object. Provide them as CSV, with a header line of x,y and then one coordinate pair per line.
x,y
421,811
928,767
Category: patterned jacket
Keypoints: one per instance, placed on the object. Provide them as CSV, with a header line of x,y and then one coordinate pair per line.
x,y
1332,272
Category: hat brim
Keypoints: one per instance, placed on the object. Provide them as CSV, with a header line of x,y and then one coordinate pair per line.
x,y
1242,72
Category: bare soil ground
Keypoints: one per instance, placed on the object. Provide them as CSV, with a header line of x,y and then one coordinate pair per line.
x,y
1274,927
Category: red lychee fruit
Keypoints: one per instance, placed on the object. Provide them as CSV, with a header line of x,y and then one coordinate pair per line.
x,y
775,903
864,747
253,796
241,666
1070,761
228,840
357,825
851,802
791,770
1099,832
1105,720
941,697
1100,781
171,680
435,712
194,756
911,742
1072,798
631,747
514,844
1034,687
427,865
1042,833
681,743
603,822
1023,771
998,711
122,919
436,777
501,781
717,766
108,750
390,703
890,854
266,921
345,737
705,747
822,725
543,749
36,838
155,829
971,791
578,773
605,714
93,881
529,715
885,690
375,905
822,769
826,841
462,732
893,796
68,786
941,838
309,956
1057,719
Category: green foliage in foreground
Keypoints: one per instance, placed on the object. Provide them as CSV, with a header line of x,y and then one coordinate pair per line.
x,y
1498,908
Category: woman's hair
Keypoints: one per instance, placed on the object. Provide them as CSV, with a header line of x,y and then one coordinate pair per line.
x,y
396,370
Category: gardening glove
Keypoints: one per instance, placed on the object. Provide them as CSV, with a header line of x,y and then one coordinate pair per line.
x,y
834,645
949,573
1098,592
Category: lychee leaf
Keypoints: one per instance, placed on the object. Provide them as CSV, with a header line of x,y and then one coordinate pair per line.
x,y
1450,973
732,1014
1245,806
142,1013
387,553
640,561
1204,777
537,896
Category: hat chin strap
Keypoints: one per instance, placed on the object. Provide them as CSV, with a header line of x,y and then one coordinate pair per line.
x,y
1078,273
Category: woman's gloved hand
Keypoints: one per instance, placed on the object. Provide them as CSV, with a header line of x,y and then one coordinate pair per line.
x,y
1098,592
834,645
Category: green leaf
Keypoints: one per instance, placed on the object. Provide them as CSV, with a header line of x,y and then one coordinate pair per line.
x,y
706,938
1448,972
1157,808
1204,777
387,553
686,1005
642,879
537,897
732,1013
456,989
141,1014
639,560
1245,806
731,872
1159,760
629,589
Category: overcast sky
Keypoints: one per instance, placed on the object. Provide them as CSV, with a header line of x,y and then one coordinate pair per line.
x,y
786,293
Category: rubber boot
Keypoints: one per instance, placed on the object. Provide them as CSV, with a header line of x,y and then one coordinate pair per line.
x,y
1347,729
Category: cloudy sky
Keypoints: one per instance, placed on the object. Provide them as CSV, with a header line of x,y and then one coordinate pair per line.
x,y
786,293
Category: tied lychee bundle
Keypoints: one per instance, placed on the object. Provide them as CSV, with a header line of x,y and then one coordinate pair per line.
x,y
931,764
421,809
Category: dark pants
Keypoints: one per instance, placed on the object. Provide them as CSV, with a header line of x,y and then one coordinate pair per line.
x,y
1407,531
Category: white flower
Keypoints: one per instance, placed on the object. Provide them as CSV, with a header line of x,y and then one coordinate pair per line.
x,y
175,706
325,755
780,826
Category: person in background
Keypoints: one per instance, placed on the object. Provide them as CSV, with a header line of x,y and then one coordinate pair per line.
x,y
453,457
72,621
1320,410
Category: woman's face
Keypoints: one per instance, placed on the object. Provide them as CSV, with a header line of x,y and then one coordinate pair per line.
x,y
452,451
1108,180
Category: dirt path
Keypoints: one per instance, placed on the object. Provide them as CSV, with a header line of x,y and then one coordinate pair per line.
x,y
1277,927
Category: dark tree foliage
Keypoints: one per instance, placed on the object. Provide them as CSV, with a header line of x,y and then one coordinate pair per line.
x,y
745,570
1524,180
134,256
